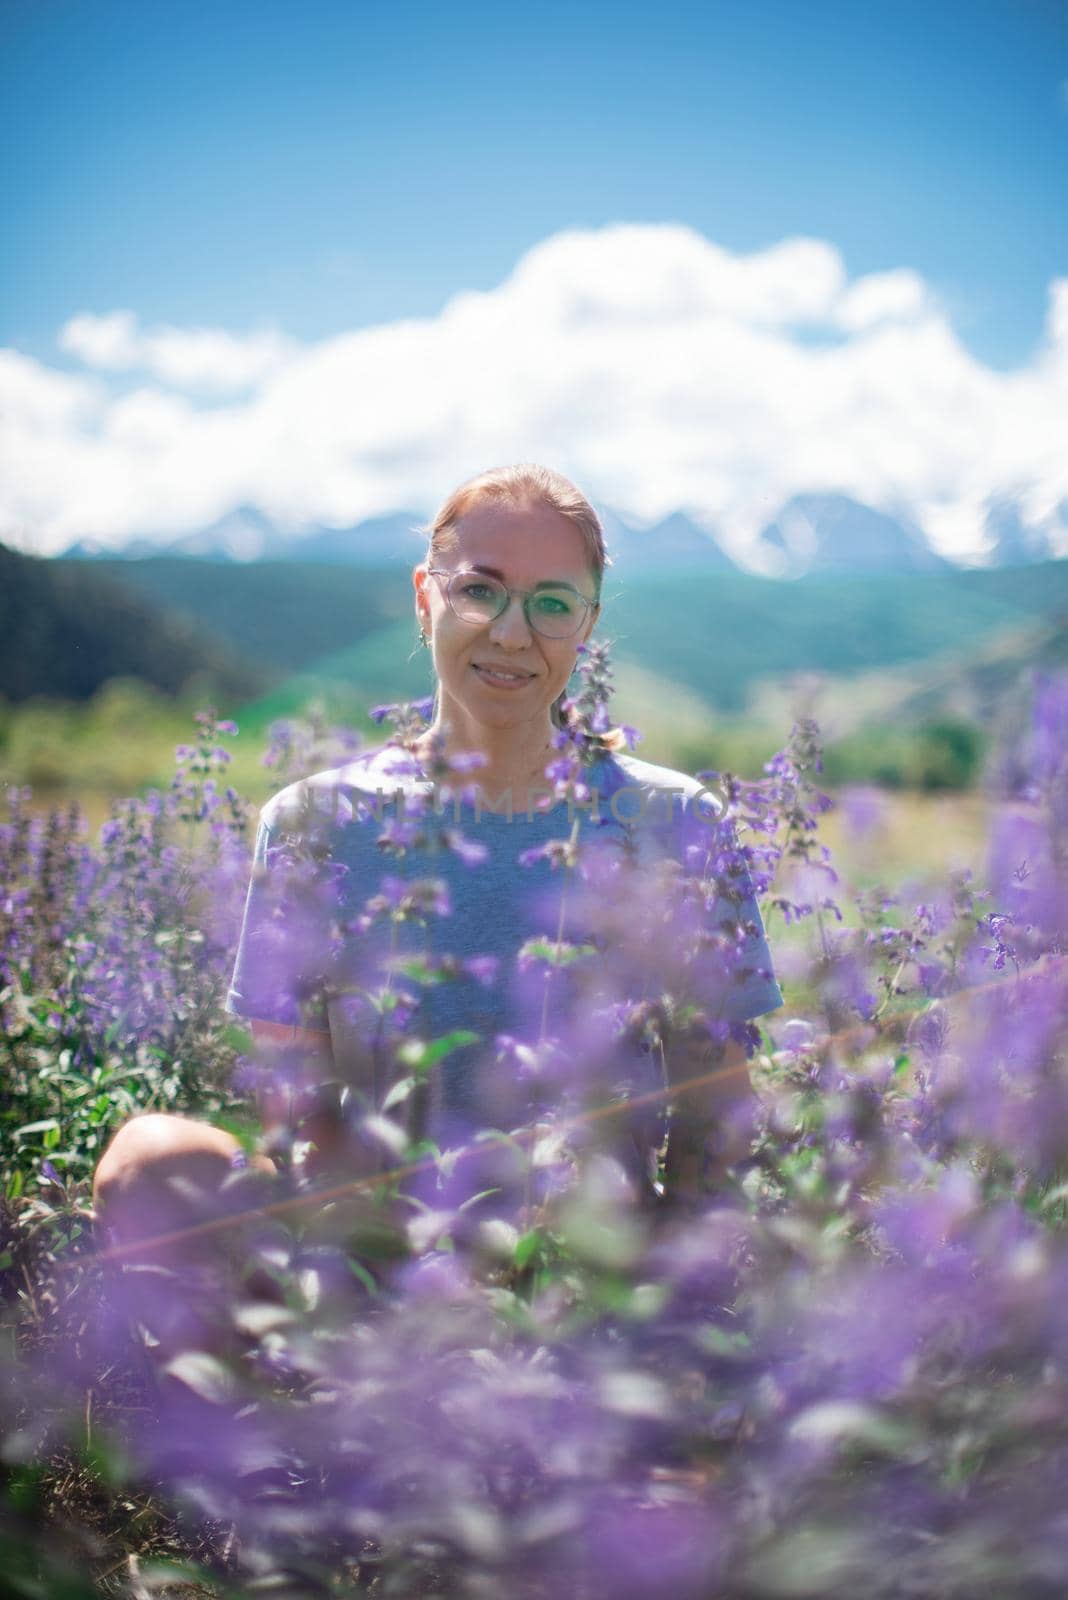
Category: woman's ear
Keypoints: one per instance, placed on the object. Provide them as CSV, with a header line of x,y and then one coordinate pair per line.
x,y
422,605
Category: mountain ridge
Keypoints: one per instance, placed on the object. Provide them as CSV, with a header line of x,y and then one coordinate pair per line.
x,y
810,533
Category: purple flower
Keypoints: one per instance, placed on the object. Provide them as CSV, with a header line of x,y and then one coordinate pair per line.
x,y
482,968
467,761
469,852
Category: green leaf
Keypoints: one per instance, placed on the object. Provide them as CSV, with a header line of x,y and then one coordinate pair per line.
x,y
528,1247
169,1574
51,1138
238,1039
38,1127
1054,1197
421,1055
848,1422
555,954
417,971
14,1184
723,1342
386,1132
399,1092
203,1374
473,1199
24,1486
106,1459
359,1271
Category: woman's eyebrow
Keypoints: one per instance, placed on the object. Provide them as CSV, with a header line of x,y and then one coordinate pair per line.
x,y
545,583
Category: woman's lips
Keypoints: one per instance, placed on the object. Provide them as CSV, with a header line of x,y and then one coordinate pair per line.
x,y
501,682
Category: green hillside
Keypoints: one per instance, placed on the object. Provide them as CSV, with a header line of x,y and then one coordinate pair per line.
x,y
380,667
66,628
721,635
282,614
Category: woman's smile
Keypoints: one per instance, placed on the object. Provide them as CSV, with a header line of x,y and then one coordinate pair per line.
x,y
503,677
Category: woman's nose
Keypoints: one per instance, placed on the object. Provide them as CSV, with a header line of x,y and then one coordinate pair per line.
x,y
511,625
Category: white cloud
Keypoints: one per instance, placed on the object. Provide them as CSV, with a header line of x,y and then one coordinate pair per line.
x,y
206,359
635,274
111,343
654,367
900,296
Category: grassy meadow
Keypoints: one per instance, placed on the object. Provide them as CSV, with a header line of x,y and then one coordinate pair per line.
x,y
122,743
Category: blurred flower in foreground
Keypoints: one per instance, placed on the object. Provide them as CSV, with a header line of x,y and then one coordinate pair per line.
x,y
502,1365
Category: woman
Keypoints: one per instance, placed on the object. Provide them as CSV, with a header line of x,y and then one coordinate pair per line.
x,y
508,593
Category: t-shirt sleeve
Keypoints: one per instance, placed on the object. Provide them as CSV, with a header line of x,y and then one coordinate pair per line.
x,y
284,951
735,975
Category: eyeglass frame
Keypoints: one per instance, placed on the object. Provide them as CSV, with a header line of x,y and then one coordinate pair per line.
x,y
527,595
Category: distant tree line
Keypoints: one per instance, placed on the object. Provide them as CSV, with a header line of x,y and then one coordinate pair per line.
x,y
66,629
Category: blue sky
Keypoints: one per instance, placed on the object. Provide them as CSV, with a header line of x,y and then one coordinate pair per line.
x,y
331,165
327,259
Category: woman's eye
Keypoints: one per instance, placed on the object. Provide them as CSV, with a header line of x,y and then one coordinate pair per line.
x,y
474,590
553,605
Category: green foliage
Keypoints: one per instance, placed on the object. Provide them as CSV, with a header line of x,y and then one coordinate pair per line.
x,y
945,753
110,1001
67,627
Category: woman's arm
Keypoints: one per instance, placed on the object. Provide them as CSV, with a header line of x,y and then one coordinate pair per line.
x,y
282,1033
713,1105
309,1108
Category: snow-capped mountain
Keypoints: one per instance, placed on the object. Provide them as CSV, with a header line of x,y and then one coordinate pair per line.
x,y
1013,540
675,544
811,533
247,534
243,534
831,533
374,542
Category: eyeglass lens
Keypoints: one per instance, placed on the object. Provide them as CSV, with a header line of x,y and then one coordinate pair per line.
x,y
556,613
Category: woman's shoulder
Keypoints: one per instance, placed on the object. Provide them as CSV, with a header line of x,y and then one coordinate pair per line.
x,y
617,771
340,794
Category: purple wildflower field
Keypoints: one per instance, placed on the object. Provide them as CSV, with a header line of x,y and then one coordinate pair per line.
x,y
518,1367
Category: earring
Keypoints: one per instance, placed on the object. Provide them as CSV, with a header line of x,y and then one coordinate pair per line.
x,y
423,640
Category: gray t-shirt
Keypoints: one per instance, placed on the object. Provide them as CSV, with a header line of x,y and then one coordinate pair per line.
x,y
310,953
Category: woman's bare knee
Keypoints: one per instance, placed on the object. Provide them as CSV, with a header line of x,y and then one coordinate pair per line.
x,y
163,1176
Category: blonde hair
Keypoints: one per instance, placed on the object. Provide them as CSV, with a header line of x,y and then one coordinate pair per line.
x,y
525,484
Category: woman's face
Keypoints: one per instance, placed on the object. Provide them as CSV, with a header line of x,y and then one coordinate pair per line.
x,y
523,546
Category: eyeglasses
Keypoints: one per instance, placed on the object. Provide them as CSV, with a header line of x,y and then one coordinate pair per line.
x,y
555,610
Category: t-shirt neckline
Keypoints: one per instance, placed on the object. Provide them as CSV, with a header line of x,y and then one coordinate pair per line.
x,y
418,783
